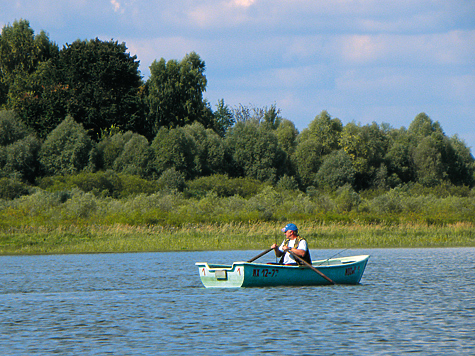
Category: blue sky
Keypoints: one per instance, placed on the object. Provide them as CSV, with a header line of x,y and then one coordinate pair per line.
x,y
361,60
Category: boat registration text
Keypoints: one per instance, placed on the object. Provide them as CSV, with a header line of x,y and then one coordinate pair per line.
x,y
266,272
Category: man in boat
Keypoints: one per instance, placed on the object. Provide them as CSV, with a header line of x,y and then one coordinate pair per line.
x,y
294,243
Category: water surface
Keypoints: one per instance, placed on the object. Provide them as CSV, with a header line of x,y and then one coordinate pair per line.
x,y
418,301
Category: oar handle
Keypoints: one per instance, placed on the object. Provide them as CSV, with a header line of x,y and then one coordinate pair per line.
x,y
310,266
260,255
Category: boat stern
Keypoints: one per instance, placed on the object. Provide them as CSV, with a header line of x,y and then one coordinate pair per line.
x,y
221,276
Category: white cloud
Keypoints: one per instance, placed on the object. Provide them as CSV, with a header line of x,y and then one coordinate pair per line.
x,y
454,47
115,5
244,3
361,48
220,14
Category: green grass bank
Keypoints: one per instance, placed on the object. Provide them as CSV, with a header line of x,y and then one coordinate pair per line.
x,y
81,218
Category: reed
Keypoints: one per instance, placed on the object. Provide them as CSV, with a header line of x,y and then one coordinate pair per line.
x,y
229,236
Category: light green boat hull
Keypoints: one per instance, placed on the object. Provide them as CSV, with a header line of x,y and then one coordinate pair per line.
x,y
345,270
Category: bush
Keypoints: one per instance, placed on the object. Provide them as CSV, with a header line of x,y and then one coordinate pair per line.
x,y
266,203
172,180
287,183
223,186
172,149
389,203
67,149
336,171
311,191
111,147
11,128
347,199
134,185
136,157
256,151
103,184
18,148
20,159
11,189
81,205
100,183
442,190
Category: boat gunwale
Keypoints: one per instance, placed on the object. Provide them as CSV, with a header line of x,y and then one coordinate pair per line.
x,y
353,260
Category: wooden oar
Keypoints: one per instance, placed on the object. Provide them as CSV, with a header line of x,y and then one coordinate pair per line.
x,y
260,255
310,266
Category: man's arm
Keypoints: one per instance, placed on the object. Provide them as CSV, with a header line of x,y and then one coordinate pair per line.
x,y
278,252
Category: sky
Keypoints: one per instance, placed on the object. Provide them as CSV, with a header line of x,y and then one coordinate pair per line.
x,y
362,61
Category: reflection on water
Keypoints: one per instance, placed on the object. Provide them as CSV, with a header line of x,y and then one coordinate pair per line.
x,y
409,301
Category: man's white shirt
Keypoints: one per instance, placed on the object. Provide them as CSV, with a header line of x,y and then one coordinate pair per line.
x,y
288,258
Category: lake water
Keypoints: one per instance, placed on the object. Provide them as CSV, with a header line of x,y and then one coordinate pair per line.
x,y
418,301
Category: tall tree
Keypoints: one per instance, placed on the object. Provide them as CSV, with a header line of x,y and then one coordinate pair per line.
x,y
223,117
324,130
175,93
399,158
367,146
313,144
40,99
307,160
20,53
104,84
287,135
11,129
261,115
461,163
431,167
438,158
423,126
256,151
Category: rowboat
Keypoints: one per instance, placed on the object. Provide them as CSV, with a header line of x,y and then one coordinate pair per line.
x,y
344,270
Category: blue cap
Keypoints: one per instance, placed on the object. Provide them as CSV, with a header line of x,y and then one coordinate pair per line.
x,y
291,227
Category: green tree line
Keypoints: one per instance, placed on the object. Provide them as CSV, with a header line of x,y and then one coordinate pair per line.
x,y
86,108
